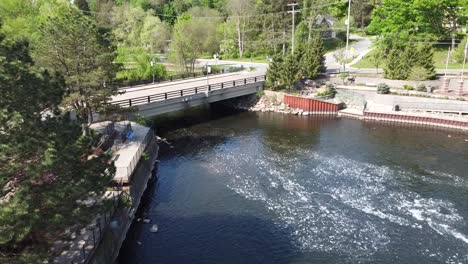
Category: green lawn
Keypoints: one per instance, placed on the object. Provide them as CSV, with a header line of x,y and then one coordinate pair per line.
x,y
329,44
335,44
366,62
440,57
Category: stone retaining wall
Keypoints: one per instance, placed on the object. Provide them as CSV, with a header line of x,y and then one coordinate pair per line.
x,y
109,247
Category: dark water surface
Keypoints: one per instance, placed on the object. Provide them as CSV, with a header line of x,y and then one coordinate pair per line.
x,y
272,188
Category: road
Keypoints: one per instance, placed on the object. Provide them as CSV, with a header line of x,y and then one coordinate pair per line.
x,y
360,48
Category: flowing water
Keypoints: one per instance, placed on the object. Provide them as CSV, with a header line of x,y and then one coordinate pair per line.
x,y
272,188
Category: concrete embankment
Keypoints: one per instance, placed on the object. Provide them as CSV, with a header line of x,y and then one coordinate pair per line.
x,y
134,158
408,118
108,249
357,105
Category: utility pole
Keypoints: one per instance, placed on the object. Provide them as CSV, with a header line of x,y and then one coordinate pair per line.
x,y
347,35
294,11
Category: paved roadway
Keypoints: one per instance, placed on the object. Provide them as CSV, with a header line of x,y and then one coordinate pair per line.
x,y
361,48
150,89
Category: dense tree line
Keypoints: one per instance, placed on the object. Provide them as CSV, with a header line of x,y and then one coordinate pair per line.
x,y
45,166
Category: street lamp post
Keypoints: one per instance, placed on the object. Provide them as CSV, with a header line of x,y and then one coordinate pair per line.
x,y
215,57
152,67
208,70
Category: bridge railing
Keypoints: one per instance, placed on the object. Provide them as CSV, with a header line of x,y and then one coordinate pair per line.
x,y
158,97
173,77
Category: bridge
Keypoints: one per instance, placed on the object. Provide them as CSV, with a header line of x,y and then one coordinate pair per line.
x,y
154,99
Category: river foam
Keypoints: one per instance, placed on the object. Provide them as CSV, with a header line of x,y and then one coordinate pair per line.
x,y
343,206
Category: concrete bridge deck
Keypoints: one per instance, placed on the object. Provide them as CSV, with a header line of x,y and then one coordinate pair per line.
x,y
154,99
150,89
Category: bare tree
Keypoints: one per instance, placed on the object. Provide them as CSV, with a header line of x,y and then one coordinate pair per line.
x,y
241,11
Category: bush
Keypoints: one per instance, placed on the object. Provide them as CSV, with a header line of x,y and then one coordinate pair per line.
x,y
327,92
383,88
330,86
408,87
421,87
330,91
260,94
419,73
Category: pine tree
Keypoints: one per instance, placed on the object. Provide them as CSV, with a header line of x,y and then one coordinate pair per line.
x,y
313,59
290,73
426,59
410,58
274,72
394,68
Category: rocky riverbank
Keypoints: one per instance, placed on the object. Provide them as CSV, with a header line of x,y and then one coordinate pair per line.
x,y
270,101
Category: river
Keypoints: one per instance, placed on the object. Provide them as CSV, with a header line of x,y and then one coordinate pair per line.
x,y
272,188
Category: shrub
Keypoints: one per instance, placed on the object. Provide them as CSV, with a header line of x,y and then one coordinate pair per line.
x,y
408,87
421,87
330,86
383,88
327,92
419,73
260,94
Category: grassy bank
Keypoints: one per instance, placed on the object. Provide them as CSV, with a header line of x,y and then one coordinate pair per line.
x,y
440,57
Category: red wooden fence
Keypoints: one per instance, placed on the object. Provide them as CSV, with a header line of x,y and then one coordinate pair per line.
x,y
311,105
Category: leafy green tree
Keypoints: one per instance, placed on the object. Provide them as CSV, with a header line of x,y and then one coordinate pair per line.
x,y
193,35
102,12
340,56
361,11
241,11
154,34
313,59
378,56
140,68
82,5
127,24
290,73
431,18
70,44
